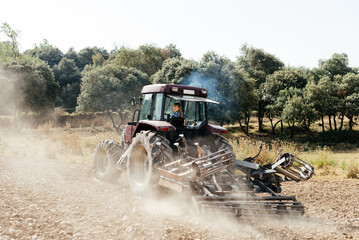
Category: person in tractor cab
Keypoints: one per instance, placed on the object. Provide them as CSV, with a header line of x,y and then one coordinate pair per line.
x,y
178,114
177,110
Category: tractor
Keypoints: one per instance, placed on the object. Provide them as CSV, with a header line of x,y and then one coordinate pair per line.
x,y
183,152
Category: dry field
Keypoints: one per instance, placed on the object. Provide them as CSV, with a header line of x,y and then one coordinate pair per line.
x,y
47,191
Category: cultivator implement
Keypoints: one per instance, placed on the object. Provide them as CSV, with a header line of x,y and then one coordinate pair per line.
x,y
220,182
250,206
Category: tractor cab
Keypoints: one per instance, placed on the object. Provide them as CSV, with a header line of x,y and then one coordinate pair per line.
x,y
156,110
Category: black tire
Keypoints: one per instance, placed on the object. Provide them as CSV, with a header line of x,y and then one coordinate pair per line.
x,y
143,157
106,155
218,142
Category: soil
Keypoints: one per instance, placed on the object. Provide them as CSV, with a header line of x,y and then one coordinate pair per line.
x,y
52,199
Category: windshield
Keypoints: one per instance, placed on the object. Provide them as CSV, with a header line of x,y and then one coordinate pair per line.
x,y
151,106
193,111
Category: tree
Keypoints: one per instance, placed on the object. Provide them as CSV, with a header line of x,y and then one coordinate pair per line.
x,y
258,64
66,72
46,52
6,52
314,95
171,51
85,56
109,88
349,88
68,76
280,80
293,112
212,73
13,35
147,58
215,74
338,64
72,54
98,59
174,70
244,96
28,84
330,74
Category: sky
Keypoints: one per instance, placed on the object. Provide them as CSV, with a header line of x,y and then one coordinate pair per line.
x,y
299,33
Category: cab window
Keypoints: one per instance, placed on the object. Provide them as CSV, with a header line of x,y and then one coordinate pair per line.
x,y
195,112
151,106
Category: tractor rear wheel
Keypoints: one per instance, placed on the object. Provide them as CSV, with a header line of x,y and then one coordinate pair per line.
x,y
143,157
106,155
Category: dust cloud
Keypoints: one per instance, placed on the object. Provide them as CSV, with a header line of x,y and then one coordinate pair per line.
x,y
8,96
44,196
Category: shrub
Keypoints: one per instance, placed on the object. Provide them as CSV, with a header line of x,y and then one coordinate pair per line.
x,y
353,170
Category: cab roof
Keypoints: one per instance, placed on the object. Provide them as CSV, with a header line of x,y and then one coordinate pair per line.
x,y
175,89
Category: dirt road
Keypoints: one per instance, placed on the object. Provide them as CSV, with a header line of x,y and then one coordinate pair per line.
x,y
51,199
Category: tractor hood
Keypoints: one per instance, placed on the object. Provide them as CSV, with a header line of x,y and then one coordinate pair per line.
x,y
192,99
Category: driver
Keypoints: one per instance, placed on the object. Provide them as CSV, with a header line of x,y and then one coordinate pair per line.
x,y
177,110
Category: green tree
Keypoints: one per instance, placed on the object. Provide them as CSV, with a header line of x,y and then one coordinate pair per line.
x,y
68,76
315,95
293,112
28,85
5,51
258,64
280,80
13,35
330,73
338,64
46,52
72,54
349,88
109,88
174,70
245,98
215,74
98,59
85,56
147,58
171,51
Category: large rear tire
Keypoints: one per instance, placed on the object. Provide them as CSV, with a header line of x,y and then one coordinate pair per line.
x,y
143,157
106,155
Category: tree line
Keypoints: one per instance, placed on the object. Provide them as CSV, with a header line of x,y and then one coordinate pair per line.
x,y
257,84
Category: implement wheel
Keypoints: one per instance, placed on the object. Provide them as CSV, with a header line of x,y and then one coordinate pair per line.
x,y
143,157
106,155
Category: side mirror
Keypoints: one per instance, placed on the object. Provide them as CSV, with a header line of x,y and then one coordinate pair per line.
x,y
133,101
139,100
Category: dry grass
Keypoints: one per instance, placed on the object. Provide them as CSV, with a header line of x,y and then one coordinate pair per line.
x,y
245,147
353,170
45,128
60,144
327,163
77,145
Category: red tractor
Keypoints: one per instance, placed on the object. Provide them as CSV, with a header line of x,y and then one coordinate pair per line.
x,y
170,143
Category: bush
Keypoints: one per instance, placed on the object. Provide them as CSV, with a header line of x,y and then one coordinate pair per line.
x,y
353,170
